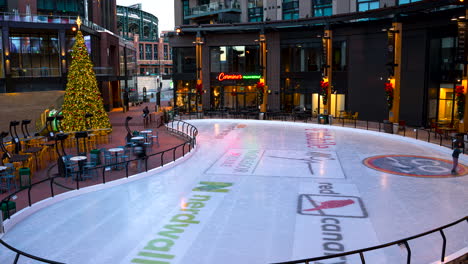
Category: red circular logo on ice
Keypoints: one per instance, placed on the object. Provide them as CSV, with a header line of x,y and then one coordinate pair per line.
x,y
417,166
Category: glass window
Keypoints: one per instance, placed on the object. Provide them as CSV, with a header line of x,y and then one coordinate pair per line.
x,y
447,54
184,60
402,2
290,9
256,14
131,62
155,54
364,5
255,10
322,7
60,6
46,4
148,52
122,60
446,104
339,56
34,55
305,57
142,54
186,10
166,55
3,6
2,69
235,59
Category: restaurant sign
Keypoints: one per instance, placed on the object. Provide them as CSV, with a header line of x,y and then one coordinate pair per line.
x,y
223,76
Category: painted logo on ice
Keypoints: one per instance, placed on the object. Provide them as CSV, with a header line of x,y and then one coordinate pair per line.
x,y
331,205
417,166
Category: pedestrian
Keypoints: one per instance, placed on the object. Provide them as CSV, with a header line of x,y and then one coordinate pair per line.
x,y
139,151
455,154
146,116
145,112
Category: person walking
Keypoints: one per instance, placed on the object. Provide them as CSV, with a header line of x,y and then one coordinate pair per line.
x,y
455,155
146,116
139,150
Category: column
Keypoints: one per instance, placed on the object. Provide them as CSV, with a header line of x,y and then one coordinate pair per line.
x,y
462,59
6,50
199,64
63,52
328,41
263,64
395,78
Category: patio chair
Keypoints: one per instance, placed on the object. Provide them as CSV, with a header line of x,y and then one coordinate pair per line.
x,y
155,138
7,178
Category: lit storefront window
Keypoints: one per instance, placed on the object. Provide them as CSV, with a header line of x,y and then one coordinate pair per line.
x,y
447,107
186,96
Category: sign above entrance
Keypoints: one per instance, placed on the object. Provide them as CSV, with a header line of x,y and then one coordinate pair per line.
x,y
223,76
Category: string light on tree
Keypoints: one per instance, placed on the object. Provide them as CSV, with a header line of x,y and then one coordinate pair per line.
x,y
82,94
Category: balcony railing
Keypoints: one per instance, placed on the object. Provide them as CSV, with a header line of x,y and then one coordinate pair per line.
x,y
54,20
17,72
211,8
37,18
104,71
35,72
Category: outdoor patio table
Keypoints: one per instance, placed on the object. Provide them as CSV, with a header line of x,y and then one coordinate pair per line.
x,y
19,158
80,160
137,138
116,152
147,133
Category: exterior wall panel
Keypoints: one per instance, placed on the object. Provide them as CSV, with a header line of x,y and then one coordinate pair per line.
x,y
367,58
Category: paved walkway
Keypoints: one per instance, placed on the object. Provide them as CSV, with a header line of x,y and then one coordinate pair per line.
x,y
117,138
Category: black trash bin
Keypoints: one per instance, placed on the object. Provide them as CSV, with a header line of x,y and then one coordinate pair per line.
x,y
323,119
388,126
95,155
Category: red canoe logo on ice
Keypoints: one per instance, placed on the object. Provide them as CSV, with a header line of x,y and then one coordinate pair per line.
x,y
331,205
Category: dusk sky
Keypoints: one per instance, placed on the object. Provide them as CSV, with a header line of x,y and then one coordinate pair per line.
x,y
162,9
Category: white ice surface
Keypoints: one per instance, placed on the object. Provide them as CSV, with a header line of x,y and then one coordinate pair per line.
x,y
259,218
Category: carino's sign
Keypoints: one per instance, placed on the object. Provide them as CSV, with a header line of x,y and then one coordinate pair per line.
x,y
223,76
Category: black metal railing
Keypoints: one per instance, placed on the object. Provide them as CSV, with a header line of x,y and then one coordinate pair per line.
x,y
404,242
190,132
178,127
21,253
431,135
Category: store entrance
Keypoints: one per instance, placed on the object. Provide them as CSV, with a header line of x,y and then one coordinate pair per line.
x,y
447,107
234,98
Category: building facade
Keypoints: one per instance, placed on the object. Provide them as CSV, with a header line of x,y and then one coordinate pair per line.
x,y
37,37
154,58
352,40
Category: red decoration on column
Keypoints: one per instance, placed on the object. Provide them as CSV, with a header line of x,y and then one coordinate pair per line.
x,y
389,92
199,88
324,91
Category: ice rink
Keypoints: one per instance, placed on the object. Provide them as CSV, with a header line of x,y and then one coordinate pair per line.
x,y
263,192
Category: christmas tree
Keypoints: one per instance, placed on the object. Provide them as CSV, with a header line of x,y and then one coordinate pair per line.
x,y
82,95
